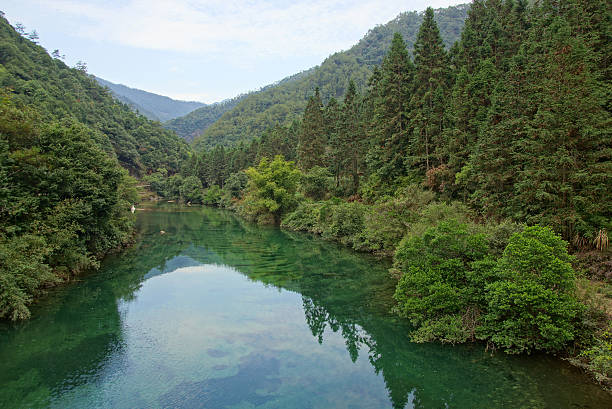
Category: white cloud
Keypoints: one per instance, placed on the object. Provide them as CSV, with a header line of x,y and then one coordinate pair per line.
x,y
244,29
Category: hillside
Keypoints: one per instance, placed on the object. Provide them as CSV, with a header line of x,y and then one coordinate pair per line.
x,y
194,123
57,92
153,106
65,145
283,102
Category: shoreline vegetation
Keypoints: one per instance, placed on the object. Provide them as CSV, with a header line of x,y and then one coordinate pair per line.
x,y
484,171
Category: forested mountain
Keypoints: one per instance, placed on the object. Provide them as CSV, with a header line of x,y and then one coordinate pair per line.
x,y
283,102
194,123
477,169
64,196
153,106
58,92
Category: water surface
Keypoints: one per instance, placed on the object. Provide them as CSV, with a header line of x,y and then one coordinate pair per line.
x,y
219,313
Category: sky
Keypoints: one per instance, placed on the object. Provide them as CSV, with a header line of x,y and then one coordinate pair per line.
x,y
202,50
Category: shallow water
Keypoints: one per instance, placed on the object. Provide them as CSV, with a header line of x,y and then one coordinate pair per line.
x,y
218,313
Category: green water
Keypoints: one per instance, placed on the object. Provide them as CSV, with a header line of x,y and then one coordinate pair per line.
x,y
218,313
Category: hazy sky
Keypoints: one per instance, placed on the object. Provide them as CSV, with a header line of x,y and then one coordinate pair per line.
x,y
204,50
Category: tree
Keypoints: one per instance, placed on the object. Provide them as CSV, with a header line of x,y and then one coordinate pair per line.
x,y
33,36
390,127
440,289
432,75
352,135
191,189
81,66
532,305
312,138
271,190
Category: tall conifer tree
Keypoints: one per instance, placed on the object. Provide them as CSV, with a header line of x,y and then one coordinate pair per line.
x,y
312,138
431,81
391,122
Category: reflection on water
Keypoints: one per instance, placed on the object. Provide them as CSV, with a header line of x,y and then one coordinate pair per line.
x,y
218,313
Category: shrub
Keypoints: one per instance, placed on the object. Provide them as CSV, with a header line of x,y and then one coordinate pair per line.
x,y
532,304
386,223
191,189
271,191
212,196
436,290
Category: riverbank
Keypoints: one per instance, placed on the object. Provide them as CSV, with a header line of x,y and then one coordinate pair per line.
x,y
384,227
195,315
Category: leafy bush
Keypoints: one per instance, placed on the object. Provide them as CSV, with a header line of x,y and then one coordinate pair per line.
x,y
63,204
437,289
532,304
191,190
452,290
271,191
212,196
23,274
387,222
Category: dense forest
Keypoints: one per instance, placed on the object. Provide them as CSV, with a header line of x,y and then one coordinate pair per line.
x,y
483,167
67,150
283,102
484,170
153,106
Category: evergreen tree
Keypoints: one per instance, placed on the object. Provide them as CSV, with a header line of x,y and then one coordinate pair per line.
x,y
312,139
334,154
391,122
432,75
352,135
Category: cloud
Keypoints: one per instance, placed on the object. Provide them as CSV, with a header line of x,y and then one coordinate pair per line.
x,y
244,29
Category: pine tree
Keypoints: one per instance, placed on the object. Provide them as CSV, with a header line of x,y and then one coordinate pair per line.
x,y
545,155
431,83
391,122
352,135
334,152
312,138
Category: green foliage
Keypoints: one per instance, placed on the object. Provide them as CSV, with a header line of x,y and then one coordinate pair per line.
x,y
532,304
63,204
191,190
316,183
390,128
332,219
212,196
23,273
437,290
599,357
452,290
271,190
236,183
312,137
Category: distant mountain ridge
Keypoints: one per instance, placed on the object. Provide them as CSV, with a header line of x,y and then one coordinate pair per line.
x,y
284,101
153,106
194,123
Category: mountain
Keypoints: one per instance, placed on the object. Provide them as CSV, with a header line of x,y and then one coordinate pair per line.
x,y
153,106
30,77
284,101
194,123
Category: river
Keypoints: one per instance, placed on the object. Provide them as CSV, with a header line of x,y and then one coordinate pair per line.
x,y
220,313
